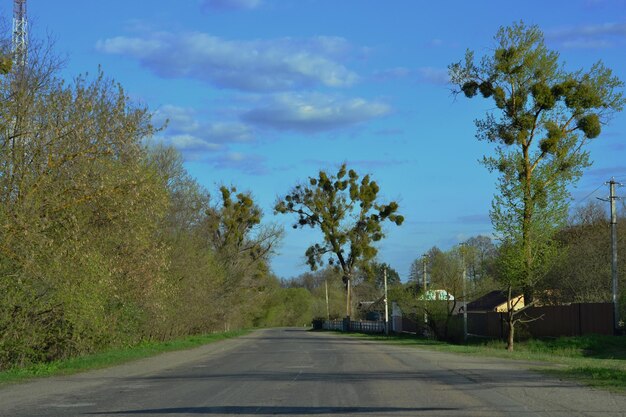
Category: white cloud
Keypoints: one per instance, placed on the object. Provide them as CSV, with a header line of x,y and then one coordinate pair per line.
x,y
393,73
258,65
431,75
591,36
235,157
618,29
588,44
140,48
231,4
179,119
428,75
249,164
198,139
435,43
191,144
182,120
313,112
232,132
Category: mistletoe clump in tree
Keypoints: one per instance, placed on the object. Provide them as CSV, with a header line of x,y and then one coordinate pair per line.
x,y
544,117
345,209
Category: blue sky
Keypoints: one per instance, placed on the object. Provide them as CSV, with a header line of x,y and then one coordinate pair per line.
x,y
262,94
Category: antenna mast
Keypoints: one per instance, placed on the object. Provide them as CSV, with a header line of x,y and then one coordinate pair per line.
x,y
20,43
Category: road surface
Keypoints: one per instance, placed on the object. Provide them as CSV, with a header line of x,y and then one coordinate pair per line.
x,y
294,372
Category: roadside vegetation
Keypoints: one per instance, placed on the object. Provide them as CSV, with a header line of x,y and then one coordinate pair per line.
x,y
106,241
111,357
595,360
545,117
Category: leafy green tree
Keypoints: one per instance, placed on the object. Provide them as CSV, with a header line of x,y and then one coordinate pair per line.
x,y
193,271
479,252
378,271
188,201
437,315
234,226
479,255
80,265
5,64
446,274
105,241
510,270
544,118
289,307
416,271
242,246
323,284
345,209
416,274
371,278
582,274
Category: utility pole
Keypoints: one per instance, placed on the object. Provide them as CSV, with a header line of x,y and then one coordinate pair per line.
x,y
327,307
612,198
386,303
464,278
424,259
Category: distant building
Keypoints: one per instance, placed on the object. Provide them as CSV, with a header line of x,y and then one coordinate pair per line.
x,y
372,310
495,301
436,295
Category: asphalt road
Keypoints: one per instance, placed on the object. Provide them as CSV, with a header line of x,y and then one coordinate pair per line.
x,y
293,372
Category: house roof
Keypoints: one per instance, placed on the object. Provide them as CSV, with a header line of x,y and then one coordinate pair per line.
x,y
490,301
371,305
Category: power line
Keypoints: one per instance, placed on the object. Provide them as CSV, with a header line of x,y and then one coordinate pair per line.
x,y
590,194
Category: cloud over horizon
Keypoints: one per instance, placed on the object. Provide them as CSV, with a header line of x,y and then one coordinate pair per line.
x,y
196,138
256,65
426,75
598,36
246,163
221,5
314,112
185,121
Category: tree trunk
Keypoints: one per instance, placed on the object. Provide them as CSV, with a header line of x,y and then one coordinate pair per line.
x,y
348,297
511,336
526,228
510,315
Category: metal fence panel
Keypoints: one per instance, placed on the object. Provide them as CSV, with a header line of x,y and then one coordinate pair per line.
x,y
549,321
360,326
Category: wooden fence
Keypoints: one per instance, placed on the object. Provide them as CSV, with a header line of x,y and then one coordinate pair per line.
x,y
332,325
548,321
361,326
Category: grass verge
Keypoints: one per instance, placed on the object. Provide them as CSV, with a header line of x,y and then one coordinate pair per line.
x,y
111,357
594,360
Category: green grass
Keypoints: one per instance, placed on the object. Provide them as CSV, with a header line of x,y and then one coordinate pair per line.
x,y
111,357
598,361
602,376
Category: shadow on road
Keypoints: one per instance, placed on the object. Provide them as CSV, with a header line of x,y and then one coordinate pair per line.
x,y
285,411
468,378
